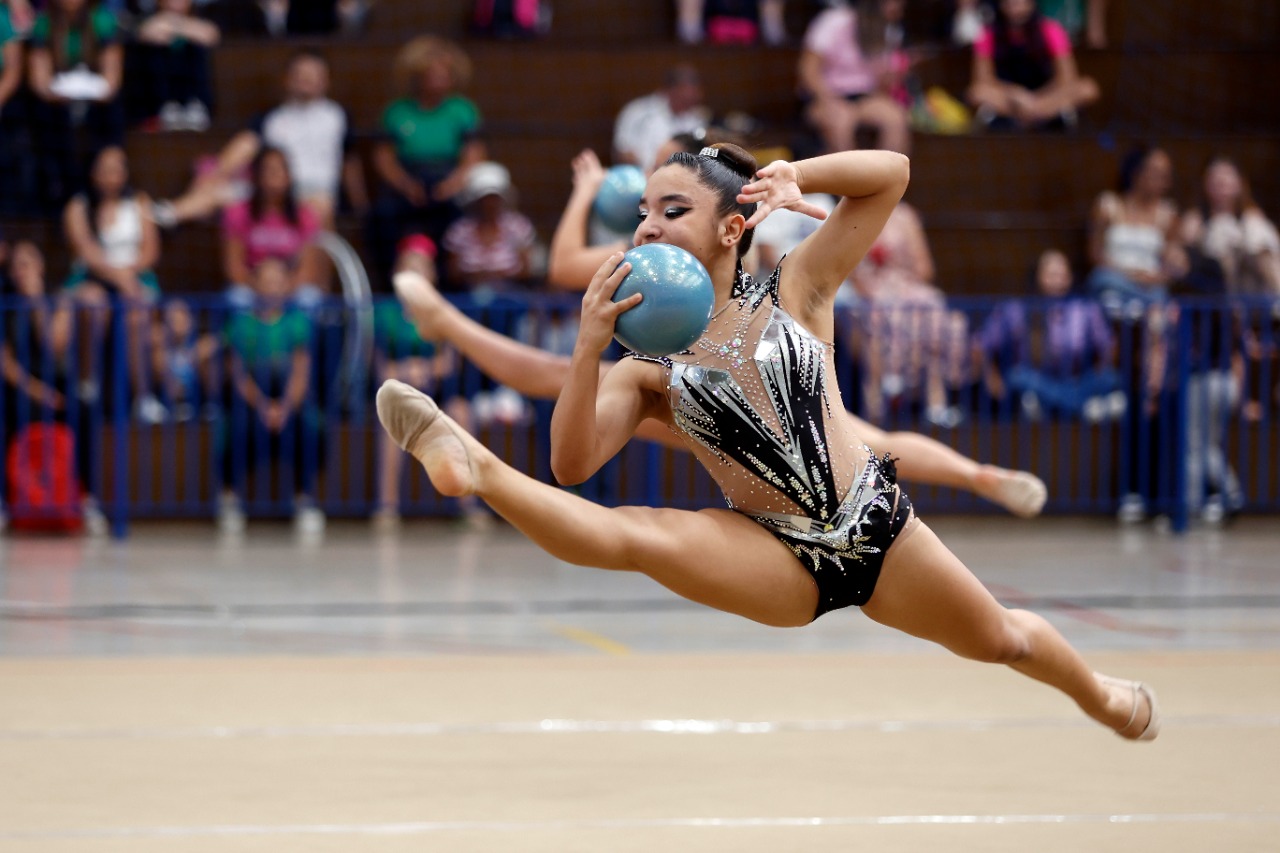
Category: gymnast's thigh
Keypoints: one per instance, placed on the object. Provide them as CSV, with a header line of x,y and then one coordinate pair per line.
x,y
722,559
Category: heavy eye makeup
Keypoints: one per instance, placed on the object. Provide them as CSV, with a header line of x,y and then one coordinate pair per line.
x,y
669,213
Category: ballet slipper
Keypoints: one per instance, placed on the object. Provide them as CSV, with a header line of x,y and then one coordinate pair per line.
x,y
423,301
1152,728
416,424
1020,492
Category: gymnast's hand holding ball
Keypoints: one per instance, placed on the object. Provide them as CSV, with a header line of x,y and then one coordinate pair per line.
x,y
656,300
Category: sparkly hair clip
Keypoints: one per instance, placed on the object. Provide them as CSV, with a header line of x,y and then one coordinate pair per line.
x,y
709,152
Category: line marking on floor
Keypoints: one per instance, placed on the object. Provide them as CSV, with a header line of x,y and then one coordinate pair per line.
x,y
427,827
599,642
624,727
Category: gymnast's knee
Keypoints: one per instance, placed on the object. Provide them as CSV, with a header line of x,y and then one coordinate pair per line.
x,y
1007,646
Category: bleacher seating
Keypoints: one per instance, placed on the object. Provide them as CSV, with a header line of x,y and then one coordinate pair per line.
x,y
1180,73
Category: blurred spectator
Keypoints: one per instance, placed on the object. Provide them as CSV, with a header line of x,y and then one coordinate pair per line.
x,y
402,354
1024,73
646,123
489,251
1054,355
35,360
21,15
1231,244
1262,353
313,17
76,66
431,142
173,50
731,21
183,362
968,22
272,224
1215,352
1079,16
37,335
313,131
1090,16
491,246
17,174
115,245
273,418
851,66
913,346
1133,236
511,18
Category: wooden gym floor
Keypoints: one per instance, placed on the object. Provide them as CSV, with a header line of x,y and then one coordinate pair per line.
x,y
443,690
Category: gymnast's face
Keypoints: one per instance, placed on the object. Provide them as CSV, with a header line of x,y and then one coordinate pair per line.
x,y
677,209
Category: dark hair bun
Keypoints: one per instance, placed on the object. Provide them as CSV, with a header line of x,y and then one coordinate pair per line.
x,y
737,158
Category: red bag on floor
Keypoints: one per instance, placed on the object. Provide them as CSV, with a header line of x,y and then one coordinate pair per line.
x,y
43,491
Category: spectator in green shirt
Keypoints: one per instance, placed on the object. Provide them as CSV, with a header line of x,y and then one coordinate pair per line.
x,y
431,141
273,412
76,66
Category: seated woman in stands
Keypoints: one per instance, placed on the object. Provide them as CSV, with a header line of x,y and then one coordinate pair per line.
x,y
852,69
271,224
1024,73
76,68
1233,246
116,245
431,142
1053,355
174,46
912,348
1133,240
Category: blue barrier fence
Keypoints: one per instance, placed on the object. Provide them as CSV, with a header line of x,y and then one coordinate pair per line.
x,y
193,407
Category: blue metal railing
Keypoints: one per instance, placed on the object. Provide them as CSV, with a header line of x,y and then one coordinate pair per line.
x,y
1171,412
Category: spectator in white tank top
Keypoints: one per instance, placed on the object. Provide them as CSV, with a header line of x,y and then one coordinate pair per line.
x,y
115,245
1133,241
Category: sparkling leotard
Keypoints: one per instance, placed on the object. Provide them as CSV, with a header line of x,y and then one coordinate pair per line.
x,y
756,401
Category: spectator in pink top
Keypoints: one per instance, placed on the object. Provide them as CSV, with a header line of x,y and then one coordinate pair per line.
x,y
1024,73
271,224
851,65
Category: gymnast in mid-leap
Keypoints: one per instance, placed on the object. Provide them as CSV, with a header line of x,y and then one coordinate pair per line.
x,y
537,373
817,522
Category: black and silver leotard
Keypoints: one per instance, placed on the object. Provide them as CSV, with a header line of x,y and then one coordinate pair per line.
x,y
756,401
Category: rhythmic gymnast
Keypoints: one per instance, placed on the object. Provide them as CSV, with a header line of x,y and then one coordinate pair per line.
x,y
542,375
816,521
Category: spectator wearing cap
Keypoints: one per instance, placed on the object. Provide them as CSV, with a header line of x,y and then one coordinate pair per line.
x,y
491,246
645,124
489,252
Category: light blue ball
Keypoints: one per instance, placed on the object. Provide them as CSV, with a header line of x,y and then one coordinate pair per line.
x,y
617,204
678,298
